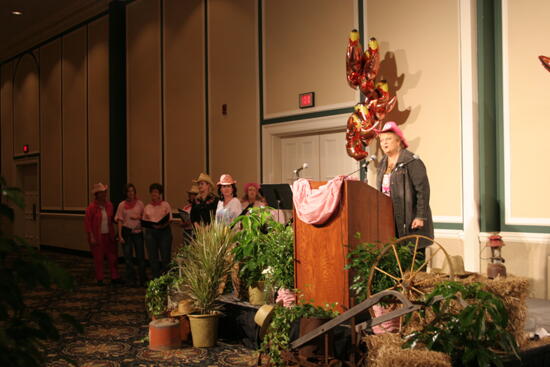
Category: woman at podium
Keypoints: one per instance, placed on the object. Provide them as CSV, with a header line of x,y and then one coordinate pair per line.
x,y
402,176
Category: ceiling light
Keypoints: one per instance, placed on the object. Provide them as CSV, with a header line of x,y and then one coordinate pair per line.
x,y
16,12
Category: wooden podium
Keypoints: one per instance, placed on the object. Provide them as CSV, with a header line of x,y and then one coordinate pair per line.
x,y
321,251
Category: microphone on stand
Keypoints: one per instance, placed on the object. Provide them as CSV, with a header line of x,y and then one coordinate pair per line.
x,y
300,169
403,164
366,165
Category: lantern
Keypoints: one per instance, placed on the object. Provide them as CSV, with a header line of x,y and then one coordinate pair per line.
x,y
496,266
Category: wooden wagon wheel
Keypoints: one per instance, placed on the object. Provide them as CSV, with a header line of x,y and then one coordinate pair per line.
x,y
404,275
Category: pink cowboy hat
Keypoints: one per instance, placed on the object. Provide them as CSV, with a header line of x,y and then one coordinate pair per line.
x,y
246,186
226,179
391,126
98,187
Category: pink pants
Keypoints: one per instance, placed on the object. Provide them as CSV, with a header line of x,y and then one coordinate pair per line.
x,y
105,246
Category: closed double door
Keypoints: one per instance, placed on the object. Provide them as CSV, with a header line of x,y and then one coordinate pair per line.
x,y
325,155
27,223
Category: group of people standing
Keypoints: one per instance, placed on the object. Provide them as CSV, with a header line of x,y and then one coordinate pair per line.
x,y
140,225
401,176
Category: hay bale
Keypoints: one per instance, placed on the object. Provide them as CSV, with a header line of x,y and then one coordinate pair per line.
x,y
384,350
391,357
378,342
512,290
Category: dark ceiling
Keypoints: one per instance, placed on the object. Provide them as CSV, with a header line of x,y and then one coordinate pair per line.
x,y
40,20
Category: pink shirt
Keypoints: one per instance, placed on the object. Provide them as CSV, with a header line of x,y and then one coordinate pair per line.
x,y
386,187
154,213
125,215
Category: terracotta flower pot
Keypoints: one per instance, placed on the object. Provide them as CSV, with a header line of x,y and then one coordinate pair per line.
x,y
317,345
164,334
204,330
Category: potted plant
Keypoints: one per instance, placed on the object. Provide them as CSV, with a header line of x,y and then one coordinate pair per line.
x,y
207,265
278,338
465,322
156,296
250,251
279,245
25,331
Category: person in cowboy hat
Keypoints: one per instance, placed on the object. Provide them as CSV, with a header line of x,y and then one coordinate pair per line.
x,y
402,176
186,223
205,204
98,222
252,197
229,206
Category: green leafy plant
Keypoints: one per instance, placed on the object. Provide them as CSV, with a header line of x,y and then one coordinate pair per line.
x,y
23,332
250,250
279,247
362,259
156,297
467,323
277,338
207,264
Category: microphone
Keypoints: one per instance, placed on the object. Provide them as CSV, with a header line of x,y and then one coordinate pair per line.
x,y
300,169
368,160
403,164
364,165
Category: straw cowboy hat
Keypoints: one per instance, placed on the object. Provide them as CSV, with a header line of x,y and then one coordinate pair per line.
x,y
391,126
194,189
185,307
456,264
226,179
203,177
263,317
99,187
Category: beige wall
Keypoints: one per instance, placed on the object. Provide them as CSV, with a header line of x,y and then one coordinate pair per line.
x,y
63,114
6,120
98,102
184,121
25,104
51,186
526,256
529,92
143,94
420,54
63,230
73,106
166,101
304,51
233,80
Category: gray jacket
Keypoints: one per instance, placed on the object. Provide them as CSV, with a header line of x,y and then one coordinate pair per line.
x,y
410,193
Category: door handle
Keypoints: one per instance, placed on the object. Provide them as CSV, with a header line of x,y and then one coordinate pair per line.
x,y
33,211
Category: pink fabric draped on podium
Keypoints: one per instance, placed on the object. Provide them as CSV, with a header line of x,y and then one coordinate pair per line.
x,y
315,206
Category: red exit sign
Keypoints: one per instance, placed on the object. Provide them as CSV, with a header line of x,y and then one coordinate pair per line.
x,y
307,100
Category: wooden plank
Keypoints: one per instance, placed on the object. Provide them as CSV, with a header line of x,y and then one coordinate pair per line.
x,y
357,310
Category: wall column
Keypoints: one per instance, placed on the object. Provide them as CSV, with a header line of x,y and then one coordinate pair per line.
x,y
117,99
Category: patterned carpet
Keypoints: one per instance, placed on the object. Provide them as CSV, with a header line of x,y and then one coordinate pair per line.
x,y
116,323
